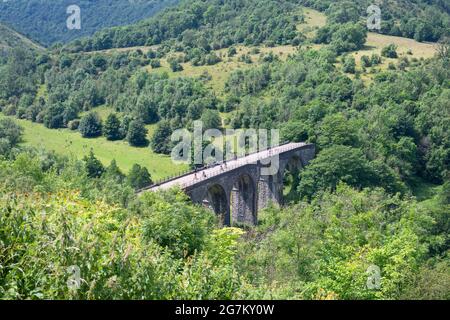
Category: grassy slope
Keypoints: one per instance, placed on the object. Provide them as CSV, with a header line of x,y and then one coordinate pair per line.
x,y
219,72
313,20
12,39
64,141
376,42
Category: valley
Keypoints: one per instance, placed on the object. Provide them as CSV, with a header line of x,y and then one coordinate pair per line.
x,y
92,207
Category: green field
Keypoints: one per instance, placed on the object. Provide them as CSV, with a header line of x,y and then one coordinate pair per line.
x,y
70,143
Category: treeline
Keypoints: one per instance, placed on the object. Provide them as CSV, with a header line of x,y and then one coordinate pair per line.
x,y
211,25
92,174
206,25
421,20
57,89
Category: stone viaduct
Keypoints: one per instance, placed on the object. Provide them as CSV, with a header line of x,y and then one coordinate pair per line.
x,y
238,188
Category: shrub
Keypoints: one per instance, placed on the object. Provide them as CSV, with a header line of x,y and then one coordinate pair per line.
x,y
155,63
175,66
10,131
232,51
73,125
349,64
365,61
180,228
375,59
389,51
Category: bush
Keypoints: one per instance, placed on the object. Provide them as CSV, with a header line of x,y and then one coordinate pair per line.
x,y
10,132
175,66
389,51
349,64
366,62
375,59
45,234
180,228
155,63
73,125
342,37
232,51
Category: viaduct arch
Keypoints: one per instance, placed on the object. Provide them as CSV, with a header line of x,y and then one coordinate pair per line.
x,y
236,190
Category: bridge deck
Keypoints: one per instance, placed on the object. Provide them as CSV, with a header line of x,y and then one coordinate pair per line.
x,y
207,173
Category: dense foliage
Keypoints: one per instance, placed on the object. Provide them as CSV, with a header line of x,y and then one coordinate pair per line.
x,y
422,20
73,84
322,250
205,25
54,219
389,120
45,20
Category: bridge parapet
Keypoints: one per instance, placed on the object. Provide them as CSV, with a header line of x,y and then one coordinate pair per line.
x,y
193,178
238,188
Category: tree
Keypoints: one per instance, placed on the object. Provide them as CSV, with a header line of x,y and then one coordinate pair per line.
x,y
294,131
335,129
160,141
175,66
10,131
349,37
137,134
332,165
390,51
113,172
139,177
146,109
423,32
349,64
94,168
211,119
365,61
342,12
180,229
90,125
53,116
443,49
65,62
111,129
99,61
